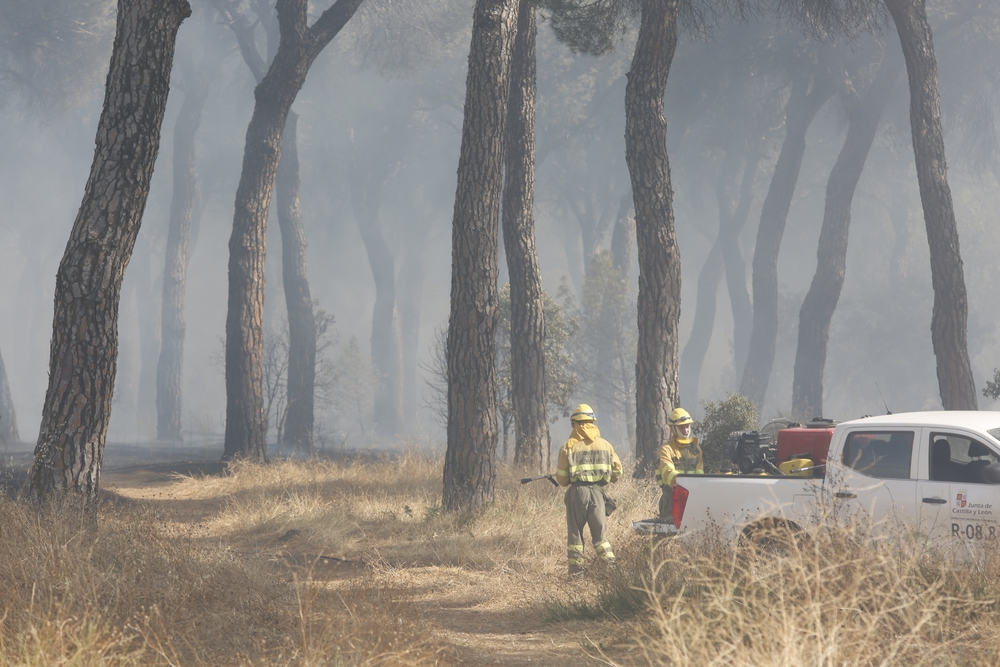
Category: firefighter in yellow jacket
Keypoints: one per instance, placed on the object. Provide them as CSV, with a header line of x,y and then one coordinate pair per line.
x,y
680,454
587,462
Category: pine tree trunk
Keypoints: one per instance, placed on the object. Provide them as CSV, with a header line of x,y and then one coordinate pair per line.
x,y
527,316
469,466
693,356
386,339
84,343
171,363
803,105
656,390
863,113
300,44
730,227
949,322
301,380
8,416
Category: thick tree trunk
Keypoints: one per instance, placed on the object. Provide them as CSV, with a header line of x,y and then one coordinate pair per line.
x,y
469,465
659,257
386,340
84,343
300,44
301,379
949,322
693,355
803,105
171,363
863,113
8,417
731,224
527,315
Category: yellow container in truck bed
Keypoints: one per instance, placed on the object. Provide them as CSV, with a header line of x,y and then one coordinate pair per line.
x,y
792,467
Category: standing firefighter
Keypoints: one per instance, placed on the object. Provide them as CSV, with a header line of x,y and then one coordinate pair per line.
x,y
587,462
678,455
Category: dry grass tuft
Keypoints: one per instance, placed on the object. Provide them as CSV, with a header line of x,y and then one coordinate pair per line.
x,y
826,598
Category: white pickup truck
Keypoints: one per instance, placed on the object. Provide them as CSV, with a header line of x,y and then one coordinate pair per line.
x,y
936,472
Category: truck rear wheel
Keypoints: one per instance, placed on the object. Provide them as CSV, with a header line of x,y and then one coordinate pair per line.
x,y
771,537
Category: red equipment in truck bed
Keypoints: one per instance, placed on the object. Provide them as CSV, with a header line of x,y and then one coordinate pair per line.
x,y
811,442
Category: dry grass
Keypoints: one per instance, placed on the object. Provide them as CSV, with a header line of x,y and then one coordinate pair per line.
x,y
828,597
323,563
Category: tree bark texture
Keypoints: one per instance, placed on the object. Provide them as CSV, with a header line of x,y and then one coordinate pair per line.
x,y
693,355
864,109
84,345
803,105
171,362
656,391
8,416
301,379
274,95
949,322
527,315
386,340
469,465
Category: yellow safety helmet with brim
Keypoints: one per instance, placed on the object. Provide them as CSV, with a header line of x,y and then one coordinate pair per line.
x,y
583,413
679,417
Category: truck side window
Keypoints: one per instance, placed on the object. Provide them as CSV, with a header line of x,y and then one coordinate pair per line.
x,y
956,458
883,454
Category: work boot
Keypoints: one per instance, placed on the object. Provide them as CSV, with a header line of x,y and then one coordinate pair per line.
x,y
575,570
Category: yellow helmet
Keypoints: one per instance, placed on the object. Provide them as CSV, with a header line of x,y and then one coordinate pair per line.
x,y
583,413
680,416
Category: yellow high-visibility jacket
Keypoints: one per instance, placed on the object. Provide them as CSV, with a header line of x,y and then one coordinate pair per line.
x,y
587,457
676,459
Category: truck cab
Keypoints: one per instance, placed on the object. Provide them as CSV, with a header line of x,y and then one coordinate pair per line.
x,y
939,471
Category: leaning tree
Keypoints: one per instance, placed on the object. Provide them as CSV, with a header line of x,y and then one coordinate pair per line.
x,y
84,347
863,93
299,45
949,322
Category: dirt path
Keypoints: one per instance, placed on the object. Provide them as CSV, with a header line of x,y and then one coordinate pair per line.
x,y
488,618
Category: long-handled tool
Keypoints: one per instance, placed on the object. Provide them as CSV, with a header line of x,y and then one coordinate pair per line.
x,y
551,477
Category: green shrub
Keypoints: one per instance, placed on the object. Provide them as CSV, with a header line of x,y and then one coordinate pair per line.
x,y
735,413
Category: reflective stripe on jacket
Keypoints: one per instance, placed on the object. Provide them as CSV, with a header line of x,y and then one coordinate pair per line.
x,y
587,457
676,459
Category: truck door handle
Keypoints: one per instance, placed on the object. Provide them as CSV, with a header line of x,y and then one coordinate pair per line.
x,y
935,501
845,494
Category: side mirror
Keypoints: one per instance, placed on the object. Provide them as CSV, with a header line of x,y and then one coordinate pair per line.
x,y
991,473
